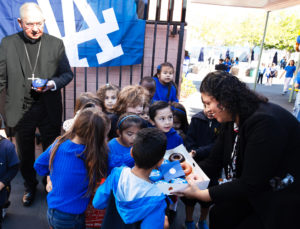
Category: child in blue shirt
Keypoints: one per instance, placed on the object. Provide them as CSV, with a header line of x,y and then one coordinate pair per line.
x,y
161,116
289,73
76,161
165,88
227,64
136,199
119,148
9,165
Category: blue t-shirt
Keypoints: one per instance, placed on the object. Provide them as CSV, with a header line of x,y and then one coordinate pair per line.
x,y
68,175
161,92
118,155
289,71
228,65
8,156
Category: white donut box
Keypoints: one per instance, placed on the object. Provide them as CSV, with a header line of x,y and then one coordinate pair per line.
x,y
167,188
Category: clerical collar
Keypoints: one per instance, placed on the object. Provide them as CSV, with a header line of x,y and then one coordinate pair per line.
x,y
29,40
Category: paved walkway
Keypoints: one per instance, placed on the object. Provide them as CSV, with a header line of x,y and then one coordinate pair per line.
x,y
34,217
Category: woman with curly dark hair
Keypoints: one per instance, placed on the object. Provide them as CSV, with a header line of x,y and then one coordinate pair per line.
x,y
258,150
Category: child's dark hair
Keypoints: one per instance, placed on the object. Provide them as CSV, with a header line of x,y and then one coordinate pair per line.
x,y
91,126
149,147
180,112
159,68
158,105
128,120
147,79
149,83
102,91
87,98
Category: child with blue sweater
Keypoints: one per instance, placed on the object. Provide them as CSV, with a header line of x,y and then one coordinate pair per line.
x,y
9,166
76,161
165,88
137,201
161,116
119,148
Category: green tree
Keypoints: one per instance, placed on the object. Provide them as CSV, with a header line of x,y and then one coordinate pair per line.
x,y
282,30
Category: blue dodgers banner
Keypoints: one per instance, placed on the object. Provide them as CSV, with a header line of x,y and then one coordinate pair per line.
x,y
95,32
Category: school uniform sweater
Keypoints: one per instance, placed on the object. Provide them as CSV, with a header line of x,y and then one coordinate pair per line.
x,y
161,92
118,155
173,139
68,175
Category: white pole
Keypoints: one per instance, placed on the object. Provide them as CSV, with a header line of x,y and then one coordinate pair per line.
x,y
261,49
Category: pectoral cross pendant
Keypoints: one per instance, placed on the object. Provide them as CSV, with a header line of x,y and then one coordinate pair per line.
x,y
32,77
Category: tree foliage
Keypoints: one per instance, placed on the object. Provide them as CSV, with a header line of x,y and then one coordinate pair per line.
x,y
282,30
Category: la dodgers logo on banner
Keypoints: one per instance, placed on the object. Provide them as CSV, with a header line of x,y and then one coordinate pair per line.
x,y
95,33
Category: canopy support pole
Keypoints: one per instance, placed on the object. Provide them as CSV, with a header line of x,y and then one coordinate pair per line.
x,y
261,50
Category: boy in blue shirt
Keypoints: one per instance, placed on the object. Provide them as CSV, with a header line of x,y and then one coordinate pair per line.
x,y
136,199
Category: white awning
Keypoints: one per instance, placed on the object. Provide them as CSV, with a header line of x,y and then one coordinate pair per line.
x,y
268,5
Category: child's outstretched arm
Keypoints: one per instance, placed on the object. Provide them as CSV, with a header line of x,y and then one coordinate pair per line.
x,y
102,195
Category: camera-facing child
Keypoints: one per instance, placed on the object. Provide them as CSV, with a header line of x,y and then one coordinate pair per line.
x,y
161,116
165,86
119,148
136,198
108,94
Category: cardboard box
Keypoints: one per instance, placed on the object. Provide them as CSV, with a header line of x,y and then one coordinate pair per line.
x,y
167,188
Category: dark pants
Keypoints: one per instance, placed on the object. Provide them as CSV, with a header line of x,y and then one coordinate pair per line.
x,y
35,117
260,78
233,215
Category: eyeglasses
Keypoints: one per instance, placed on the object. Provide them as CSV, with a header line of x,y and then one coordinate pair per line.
x,y
30,25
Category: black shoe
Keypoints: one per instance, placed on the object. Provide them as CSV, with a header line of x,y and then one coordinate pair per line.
x,y
28,198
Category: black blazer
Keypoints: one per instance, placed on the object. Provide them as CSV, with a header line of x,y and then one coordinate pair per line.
x,y
268,148
14,71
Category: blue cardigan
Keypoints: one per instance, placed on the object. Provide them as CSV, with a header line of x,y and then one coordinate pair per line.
x,y
69,178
